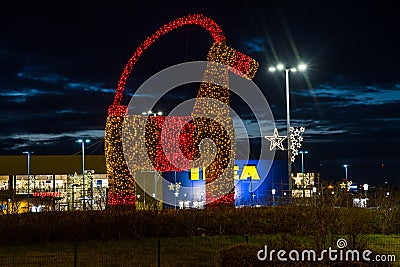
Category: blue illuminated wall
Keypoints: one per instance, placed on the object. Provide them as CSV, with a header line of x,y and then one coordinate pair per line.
x,y
255,178
271,177
184,189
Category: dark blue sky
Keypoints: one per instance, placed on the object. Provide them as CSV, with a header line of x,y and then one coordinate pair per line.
x,y
61,61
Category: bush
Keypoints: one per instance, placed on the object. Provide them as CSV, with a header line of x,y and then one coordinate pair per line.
x,y
324,223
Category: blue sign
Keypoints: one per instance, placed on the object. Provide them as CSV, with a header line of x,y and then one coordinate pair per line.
x,y
257,182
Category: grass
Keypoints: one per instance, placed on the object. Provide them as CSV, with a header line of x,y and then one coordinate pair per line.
x,y
193,251
185,251
387,244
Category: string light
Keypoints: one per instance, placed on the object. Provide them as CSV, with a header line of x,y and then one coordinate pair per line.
x,y
196,19
296,139
206,121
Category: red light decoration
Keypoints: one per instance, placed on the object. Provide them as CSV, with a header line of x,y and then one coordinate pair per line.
x,y
47,194
117,110
159,154
227,199
196,19
121,199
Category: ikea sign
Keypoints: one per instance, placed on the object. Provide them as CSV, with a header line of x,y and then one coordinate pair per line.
x,y
254,182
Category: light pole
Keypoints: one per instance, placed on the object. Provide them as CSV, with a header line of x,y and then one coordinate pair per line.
x,y
83,169
251,190
29,174
280,67
345,169
302,169
273,191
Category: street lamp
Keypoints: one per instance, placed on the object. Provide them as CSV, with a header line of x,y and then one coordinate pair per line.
x,y
83,168
280,67
152,113
302,169
345,169
273,191
29,174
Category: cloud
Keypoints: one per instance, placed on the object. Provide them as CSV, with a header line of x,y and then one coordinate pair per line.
x,y
89,87
354,94
315,129
254,45
41,74
49,81
43,137
22,95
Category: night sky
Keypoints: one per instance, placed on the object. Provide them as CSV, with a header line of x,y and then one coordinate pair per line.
x,y
61,61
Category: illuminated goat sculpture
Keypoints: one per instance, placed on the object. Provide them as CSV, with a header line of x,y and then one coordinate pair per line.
x,y
206,121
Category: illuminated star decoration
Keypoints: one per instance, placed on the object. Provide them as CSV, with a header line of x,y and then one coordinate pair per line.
x,y
171,187
76,179
346,185
349,183
175,187
295,141
276,140
297,180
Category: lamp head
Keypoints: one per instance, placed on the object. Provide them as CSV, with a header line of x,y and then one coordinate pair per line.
x,y
302,67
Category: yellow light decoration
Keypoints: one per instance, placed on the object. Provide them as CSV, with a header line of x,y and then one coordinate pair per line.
x,y
213,121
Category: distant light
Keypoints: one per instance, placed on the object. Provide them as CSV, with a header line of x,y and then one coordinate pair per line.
x,y
144,113
159,113
293,69
149,112
272,69
273,191
280,66
345,165
81,140
302,67
303,152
